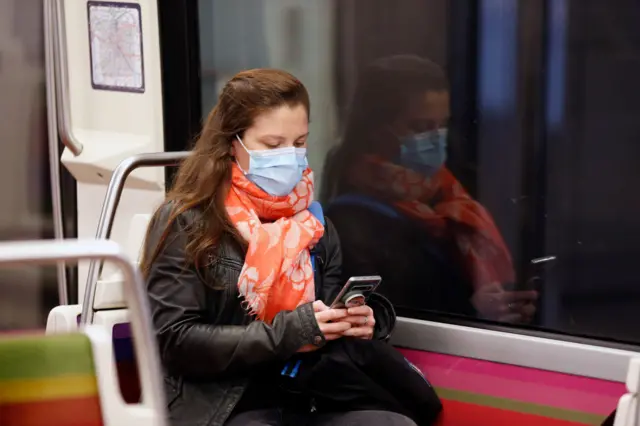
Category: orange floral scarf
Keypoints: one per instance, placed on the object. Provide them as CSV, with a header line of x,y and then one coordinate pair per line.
x,y
277,274
446,211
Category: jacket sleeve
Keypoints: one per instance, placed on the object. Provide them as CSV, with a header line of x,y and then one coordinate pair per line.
x,y
180,305
334,279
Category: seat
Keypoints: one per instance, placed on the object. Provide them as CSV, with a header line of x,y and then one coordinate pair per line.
x,y
111,312
63,319
109,294
64,380
628,411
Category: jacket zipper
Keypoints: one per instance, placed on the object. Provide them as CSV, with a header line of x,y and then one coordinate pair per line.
x,y
227,262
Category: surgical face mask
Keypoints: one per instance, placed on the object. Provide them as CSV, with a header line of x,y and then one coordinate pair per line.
x,y
424,152
276,171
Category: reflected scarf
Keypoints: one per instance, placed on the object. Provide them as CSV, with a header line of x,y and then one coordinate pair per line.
x,y
277,274
446,211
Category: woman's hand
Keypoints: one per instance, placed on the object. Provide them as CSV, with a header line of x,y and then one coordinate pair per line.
x,y
493,302
332,323
362,322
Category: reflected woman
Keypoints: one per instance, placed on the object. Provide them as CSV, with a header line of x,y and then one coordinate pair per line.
x,y
399,210
235,290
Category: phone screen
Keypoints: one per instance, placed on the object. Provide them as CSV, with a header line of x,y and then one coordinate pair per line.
x,y
356,292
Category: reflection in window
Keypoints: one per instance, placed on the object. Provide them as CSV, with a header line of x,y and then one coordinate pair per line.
x,y
445,252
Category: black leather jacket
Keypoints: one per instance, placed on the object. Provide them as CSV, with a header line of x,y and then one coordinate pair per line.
x,y
209,345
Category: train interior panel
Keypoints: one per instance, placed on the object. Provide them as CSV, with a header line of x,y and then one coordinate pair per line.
x,y
507,245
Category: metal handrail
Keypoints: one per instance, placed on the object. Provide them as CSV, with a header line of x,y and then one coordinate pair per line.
x,y
49,251
63,97
54,149
107,215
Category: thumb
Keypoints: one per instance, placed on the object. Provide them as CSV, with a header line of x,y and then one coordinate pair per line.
x,y
319,306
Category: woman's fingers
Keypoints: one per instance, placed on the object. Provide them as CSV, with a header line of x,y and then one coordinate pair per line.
x,y
334,327
519,296
528,310
362,332
330,315
511,318
360,311
358,321
335,323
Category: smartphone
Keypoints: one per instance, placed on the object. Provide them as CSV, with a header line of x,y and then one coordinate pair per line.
x,y
356,292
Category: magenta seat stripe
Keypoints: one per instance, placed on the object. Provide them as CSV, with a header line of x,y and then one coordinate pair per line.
x,y
549,396
515,373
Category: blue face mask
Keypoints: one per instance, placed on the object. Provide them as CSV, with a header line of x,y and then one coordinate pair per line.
x,y
424,152
276,171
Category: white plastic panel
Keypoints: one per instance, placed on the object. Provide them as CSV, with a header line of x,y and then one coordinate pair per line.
x,y
109,291
633,375
628,413
64,319
137,233
112,126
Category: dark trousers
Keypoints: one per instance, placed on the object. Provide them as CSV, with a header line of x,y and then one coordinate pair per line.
x,y
276,417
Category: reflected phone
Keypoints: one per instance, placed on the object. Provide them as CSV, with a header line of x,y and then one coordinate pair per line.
x,y
356,292
537,272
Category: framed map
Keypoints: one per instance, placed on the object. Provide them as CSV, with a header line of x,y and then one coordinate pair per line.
x,y
115,43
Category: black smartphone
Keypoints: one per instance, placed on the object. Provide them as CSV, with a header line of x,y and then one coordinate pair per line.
x,y
356,292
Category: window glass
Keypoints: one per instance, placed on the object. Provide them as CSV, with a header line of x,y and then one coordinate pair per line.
x,y
590,205
479,156
26,293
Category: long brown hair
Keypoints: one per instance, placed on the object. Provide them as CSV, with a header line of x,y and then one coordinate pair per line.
x,y
204,177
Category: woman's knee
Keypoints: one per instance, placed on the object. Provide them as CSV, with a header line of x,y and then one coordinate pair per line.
x,y
256,418
364,418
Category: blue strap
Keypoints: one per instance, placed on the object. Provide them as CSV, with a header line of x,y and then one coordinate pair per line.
x,y
294,371
316,209
366,201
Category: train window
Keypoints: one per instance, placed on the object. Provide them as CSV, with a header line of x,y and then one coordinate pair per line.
x,y
479,156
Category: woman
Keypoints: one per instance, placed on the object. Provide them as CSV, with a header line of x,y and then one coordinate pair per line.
x,y
440,249
239,272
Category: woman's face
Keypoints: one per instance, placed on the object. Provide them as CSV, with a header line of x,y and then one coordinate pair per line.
x,y
280,127
426,112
